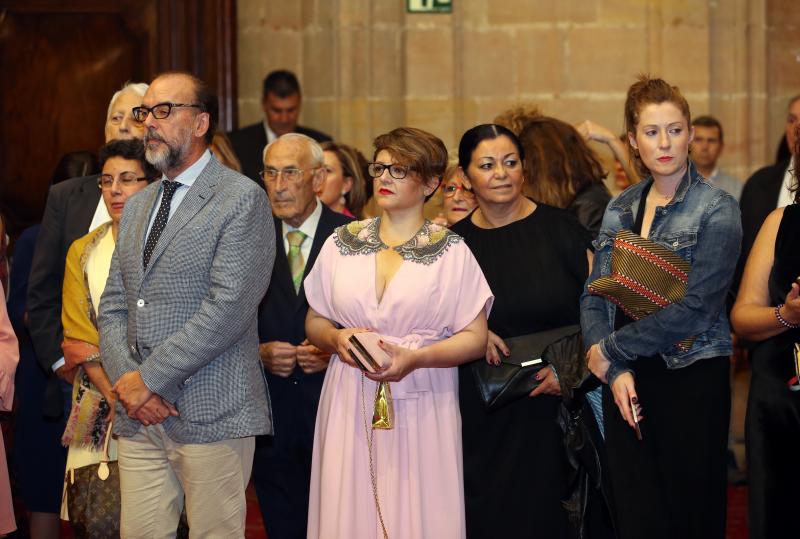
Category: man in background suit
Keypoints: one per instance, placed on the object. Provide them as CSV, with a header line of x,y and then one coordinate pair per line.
x,y
767,189
74,208
281,101
178,325
293,170
707,147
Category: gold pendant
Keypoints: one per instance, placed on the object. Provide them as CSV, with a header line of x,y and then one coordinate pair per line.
x,y
383,415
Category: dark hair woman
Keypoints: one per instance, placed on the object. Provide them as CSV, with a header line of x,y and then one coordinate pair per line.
x,y
767,311
536,259
561,170
668,475
345,187
124,172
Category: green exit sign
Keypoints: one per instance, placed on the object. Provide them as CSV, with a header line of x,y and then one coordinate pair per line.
x,y
429,6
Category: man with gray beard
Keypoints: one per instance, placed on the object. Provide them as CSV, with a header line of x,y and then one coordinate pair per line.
x,y
178,328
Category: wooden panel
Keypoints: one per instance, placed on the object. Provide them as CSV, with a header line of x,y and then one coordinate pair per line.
x,y
62,62
59,74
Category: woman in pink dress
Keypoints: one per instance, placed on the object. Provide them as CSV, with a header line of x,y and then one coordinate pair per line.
x,y
418,286
9,357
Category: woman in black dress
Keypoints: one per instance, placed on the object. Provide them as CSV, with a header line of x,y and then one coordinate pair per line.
x,y
768,310
535,258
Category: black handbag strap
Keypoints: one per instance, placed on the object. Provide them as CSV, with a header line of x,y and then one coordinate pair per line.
x,y
637,223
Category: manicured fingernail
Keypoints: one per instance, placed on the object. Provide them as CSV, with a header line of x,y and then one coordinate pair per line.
x,y
635,400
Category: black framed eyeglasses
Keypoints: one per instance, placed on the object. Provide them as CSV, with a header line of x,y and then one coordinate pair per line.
x,y
398,172
125,179
159,111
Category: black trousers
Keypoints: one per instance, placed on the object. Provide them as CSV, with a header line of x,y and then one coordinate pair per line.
x,y
282,463
672,483
773,441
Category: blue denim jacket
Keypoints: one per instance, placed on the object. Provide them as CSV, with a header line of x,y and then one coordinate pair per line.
x,y
702,224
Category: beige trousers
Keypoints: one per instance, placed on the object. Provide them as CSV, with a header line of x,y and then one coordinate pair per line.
x,y
156,473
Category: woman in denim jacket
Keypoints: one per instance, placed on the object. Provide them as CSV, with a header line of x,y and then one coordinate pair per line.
x,y
672,482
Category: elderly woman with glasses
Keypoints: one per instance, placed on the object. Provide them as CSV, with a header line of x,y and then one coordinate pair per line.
x,y
124,172
374,474
458,201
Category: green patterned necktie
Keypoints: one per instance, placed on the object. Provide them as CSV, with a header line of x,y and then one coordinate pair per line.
x,y
296,263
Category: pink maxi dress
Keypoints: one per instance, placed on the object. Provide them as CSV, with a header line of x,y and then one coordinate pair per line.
x,y
9,357
438,290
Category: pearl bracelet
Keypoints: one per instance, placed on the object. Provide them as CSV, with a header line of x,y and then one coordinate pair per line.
x,y
782,320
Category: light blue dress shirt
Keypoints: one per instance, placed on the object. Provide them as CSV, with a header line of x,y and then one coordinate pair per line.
x,y
186,179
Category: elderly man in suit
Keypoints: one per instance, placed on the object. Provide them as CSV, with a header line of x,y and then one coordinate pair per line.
x,y
293,170
74,208
178,325
281,100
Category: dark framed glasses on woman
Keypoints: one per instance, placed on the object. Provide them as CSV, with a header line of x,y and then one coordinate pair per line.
x,y
125,179
398,172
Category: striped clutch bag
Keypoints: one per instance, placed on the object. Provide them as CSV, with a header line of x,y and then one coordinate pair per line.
x,y
645,277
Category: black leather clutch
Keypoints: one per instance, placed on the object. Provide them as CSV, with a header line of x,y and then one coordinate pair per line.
x,y
515,378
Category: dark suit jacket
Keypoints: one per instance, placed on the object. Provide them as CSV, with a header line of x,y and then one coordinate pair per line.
x,y
248,143
70,208
282,313
759,198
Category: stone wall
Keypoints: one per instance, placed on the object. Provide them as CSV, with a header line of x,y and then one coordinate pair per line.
x,y
367,66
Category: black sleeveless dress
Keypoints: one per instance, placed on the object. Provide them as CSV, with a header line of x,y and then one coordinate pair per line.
x,y
772,426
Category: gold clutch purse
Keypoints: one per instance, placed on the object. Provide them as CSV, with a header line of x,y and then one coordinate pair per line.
x,y
370,357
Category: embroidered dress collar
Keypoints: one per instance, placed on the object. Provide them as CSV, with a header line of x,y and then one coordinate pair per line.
x,y
427,245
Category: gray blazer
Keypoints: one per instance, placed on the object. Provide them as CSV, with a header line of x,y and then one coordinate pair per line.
x,y
188,323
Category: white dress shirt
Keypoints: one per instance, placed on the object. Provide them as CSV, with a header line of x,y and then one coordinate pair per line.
x,y
100,215
309,228
786,196
270,133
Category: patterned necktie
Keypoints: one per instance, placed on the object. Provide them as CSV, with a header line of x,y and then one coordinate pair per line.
x,y
161,220
296,263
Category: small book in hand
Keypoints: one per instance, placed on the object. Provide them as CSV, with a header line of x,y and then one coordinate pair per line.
x,y
366,352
